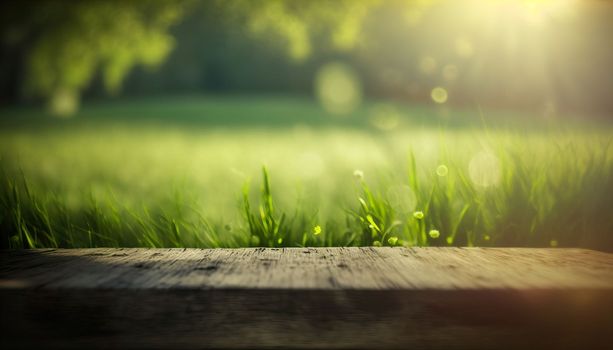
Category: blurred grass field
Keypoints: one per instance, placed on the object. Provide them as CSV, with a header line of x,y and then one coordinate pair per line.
x,y
188,172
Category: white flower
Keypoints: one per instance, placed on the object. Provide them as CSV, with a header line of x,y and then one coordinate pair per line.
x,y
358,174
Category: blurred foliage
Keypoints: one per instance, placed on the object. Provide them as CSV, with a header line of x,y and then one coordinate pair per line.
x,y
529,55
71,41
117,178
297,23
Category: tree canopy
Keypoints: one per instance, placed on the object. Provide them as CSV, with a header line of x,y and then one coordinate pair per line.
x,y
499,52
69,42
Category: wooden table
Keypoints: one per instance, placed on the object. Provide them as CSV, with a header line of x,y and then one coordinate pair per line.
x,y
447,298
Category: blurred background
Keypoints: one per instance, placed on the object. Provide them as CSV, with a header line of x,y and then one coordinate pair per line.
x,y
548,57
380,122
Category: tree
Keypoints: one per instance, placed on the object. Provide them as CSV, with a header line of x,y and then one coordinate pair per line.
x,y
297,22
70,42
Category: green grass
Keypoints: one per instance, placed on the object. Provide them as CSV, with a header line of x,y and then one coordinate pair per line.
x,y
220,172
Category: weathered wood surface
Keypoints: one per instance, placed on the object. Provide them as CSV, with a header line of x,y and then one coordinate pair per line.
x,y
320,298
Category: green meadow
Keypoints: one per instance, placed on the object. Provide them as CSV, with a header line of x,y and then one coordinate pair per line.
x,y
280,172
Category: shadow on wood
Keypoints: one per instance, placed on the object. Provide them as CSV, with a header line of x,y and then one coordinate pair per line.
x,y
330,298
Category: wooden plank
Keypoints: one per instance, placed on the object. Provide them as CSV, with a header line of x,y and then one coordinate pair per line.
x,y
321,268
312,297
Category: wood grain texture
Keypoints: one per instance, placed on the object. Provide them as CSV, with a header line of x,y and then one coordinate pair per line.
x,y
447,298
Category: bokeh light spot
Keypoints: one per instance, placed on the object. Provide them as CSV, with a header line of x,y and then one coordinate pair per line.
x,y
439,95
338,88
442,170
64,103
384,117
